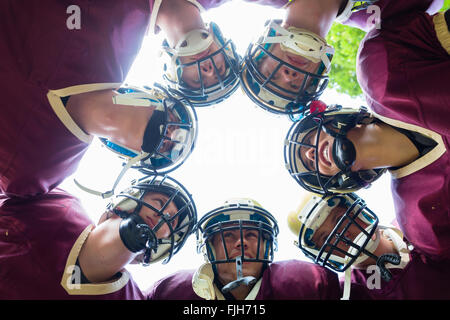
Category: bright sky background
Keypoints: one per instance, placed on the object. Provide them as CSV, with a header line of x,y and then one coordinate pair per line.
x,y
239,152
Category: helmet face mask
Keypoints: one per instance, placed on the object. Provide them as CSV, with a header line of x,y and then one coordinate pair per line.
x,y
269,95
263,91
203,94
170,134
335,121
177,138
239,218
338,231
180,224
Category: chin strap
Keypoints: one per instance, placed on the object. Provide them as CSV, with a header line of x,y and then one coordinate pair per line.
x,y
347,284
110,193
392,258
248,281
381,261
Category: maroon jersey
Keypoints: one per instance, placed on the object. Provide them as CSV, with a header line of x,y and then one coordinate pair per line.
x,y
39,243
404,72
44,58
49,51
282,280
420,279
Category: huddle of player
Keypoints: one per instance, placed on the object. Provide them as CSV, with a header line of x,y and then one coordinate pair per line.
x,y
63,87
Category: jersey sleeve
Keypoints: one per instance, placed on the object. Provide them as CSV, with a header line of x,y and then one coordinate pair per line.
x,y
383,10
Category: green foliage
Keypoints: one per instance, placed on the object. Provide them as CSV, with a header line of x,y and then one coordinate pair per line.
x,y
345,41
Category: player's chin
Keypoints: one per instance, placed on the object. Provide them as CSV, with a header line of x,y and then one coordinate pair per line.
x,y
251,268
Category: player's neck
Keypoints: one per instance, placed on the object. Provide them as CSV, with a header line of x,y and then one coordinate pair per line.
x,y
178,17
316,16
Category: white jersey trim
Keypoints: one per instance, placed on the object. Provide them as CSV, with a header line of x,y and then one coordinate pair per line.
x,y
203,285
423,161
54,98
88,288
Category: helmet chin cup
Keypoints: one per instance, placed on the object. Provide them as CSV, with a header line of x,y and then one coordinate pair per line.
x,y
241,280
344,153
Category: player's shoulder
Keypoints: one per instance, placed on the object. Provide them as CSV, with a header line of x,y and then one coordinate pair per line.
x,y
174,286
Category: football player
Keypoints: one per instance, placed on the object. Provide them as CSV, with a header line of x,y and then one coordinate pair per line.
x,y
238,241
341,233
63,69
54,251
342,150
199,61
287,67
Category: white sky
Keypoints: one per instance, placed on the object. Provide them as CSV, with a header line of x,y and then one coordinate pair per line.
x,y
239,152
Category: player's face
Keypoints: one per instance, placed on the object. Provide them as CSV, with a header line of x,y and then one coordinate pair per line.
x,y
286,77
327,166
209,68
330,223
152,218
233,244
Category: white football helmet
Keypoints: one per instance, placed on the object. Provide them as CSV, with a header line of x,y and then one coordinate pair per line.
x,y
339,231
194,43
237,214
131,200
335,121
169,137
261,88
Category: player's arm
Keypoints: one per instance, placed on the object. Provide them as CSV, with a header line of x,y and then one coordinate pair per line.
x,y
110,246
97,114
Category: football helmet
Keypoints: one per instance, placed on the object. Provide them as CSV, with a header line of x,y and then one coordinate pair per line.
x,y
338,231
237,214
169,137
262,89
139,236
335,121
194,43
351,7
